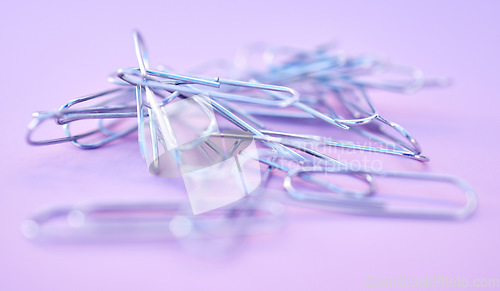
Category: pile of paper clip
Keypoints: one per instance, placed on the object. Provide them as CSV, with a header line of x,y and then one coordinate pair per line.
x,y
279,122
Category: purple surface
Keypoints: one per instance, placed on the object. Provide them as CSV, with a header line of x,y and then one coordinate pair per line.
x,y
52,52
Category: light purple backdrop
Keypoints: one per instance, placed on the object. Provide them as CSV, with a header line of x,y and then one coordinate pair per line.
x,y
54,51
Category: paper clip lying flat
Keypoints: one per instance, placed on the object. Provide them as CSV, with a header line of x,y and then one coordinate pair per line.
x,y
365,201
102,110
151,221
380,206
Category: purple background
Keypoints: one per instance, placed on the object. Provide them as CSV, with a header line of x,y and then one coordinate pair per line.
x,y
54,51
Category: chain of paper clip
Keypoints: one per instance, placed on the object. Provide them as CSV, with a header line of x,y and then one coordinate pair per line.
x,y
316,88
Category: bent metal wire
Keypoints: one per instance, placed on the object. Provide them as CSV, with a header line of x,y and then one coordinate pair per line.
x,y
320,85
